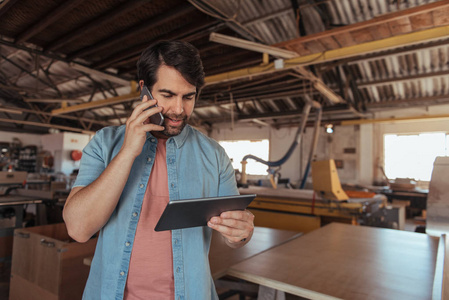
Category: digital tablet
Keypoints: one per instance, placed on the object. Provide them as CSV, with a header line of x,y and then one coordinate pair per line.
x,y
197,212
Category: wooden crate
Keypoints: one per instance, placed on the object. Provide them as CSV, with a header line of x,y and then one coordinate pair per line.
x,y
48,264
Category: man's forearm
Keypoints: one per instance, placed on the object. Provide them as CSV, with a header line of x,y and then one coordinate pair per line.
x,y
87,209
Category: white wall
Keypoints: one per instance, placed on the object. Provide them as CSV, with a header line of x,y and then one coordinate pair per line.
x,y
329,146
26,138
405,127
361,167
61,145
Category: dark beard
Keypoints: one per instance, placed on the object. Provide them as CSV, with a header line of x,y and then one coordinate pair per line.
x,y
174,131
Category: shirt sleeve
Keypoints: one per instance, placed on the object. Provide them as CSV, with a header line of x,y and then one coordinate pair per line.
x,y
228,184
92,161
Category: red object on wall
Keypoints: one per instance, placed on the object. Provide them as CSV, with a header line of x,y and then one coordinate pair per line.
x,y
76,155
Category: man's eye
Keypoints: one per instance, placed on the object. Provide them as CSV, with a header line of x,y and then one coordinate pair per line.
x,y
189,97
167,95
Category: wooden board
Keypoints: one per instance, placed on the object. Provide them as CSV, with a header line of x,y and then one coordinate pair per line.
x,y
221,256
441,279
347,262
20,288
445,284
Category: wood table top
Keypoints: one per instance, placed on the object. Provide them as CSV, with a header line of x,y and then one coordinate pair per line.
x,y
221,256
347,262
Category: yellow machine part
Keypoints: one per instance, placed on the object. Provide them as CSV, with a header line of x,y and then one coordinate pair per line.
x,y
325,180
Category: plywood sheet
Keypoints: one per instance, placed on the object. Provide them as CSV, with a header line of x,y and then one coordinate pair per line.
x,y
347,262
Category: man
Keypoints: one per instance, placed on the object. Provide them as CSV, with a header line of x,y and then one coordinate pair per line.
x,y
129,173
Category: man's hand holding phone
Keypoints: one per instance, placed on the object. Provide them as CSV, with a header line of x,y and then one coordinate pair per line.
x,y
156,118
138,125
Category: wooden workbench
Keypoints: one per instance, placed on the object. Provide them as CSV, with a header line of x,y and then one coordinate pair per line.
x,y
221,256
347,262
305,210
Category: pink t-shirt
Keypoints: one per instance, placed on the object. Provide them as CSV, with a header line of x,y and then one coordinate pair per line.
x,y
150,274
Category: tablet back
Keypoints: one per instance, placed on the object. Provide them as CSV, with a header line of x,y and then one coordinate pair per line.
x,y
197,212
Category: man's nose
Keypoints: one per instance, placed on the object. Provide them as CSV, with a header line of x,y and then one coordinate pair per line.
x,y
178,107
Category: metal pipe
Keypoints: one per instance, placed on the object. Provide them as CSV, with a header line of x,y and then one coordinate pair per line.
x,y
297,140
316,134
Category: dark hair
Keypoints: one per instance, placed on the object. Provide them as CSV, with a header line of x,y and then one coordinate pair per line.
x,y
178,54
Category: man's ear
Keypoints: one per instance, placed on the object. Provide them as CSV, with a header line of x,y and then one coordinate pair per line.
x,y
141,84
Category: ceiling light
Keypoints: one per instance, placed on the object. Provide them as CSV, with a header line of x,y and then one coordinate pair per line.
x,y
329,128
244,44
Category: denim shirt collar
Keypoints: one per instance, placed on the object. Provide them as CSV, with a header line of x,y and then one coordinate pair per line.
x,y
179,139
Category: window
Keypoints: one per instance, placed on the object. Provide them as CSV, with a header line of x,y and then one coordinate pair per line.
x,y
412,156
236,150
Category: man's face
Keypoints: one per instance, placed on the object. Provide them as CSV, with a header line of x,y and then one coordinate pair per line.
x,y
176,96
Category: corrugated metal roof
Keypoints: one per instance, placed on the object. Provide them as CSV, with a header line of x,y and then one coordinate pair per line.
x,y
36,68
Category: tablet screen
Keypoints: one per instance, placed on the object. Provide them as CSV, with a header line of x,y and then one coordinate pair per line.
x,y
197,212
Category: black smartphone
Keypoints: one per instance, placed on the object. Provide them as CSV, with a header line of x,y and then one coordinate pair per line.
x,y
158,118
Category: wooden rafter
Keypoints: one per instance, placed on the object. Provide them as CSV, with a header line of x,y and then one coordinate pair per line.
x,y
44,22
377,28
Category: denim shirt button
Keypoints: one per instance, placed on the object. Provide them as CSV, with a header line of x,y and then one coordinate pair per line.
x,y
127,244
172,185
122,273
141,185
178,270
134,214
149,159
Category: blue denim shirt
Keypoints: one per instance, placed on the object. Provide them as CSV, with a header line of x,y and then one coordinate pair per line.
x,y
197,166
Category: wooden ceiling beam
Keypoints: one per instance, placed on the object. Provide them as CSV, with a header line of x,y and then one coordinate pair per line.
x,y
331,55
49,19
291,93
39,112
133,53
380,20
397,120
37,124
137,30
106,17
384,54
389,81
96,104
37,100
6,5
421,101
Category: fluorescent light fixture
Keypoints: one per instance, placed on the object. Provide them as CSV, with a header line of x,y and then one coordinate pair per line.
x,y
100,74
260,122
244,44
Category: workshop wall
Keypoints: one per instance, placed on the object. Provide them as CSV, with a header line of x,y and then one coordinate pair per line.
x,y
343,145
405,127
25,138
61,146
